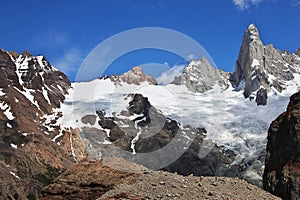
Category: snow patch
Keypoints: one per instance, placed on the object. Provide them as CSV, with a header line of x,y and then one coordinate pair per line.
x,y
107,142
25,134
58,86
29,96
14,174
1,92
135,139
7,111
8,125
255,63
13,146
45,93
58,136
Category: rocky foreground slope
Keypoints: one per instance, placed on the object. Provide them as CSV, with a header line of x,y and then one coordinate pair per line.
x,y
282,168
119,179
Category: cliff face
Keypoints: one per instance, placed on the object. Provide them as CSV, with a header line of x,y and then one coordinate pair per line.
x,y
282,167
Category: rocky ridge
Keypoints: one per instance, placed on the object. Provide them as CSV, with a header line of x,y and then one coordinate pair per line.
x,y
31,88
134,76
200,76
282,167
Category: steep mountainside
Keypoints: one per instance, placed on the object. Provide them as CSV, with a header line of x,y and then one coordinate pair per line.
x,y
263,69
282,170
30,89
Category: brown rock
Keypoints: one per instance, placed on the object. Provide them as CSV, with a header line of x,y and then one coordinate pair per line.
x,y
134,76
36,160
90,180
282,168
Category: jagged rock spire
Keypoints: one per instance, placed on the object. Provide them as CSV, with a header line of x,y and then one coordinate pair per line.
x,y
260,66
250,59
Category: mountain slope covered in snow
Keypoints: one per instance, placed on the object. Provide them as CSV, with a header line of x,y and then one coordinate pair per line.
x,y
205,97
48,124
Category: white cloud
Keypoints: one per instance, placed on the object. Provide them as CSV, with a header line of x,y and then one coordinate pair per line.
x,y
245,4
296,3
191,57
70,61
169,75
57,37
51,38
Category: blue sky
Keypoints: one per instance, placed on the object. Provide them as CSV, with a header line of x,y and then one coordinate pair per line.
x,y
66,31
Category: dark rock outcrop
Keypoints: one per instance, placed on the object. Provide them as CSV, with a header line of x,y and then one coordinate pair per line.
x,y
282,167
262,66
89,119
183,145
140,106
261,97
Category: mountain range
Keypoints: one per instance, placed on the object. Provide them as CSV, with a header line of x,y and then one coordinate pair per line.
x,y
206,122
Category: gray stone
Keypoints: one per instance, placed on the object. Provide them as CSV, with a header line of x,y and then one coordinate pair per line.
x,y
200,76
297,52
89,119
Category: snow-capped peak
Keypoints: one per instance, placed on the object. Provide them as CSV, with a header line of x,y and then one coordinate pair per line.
x,y
200,76
263,66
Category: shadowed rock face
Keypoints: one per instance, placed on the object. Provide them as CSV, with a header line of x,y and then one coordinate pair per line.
x,y
261,97
262,66
159,134
282,167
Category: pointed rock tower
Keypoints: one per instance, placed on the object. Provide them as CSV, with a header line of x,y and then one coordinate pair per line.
x,y
262,68
250,63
